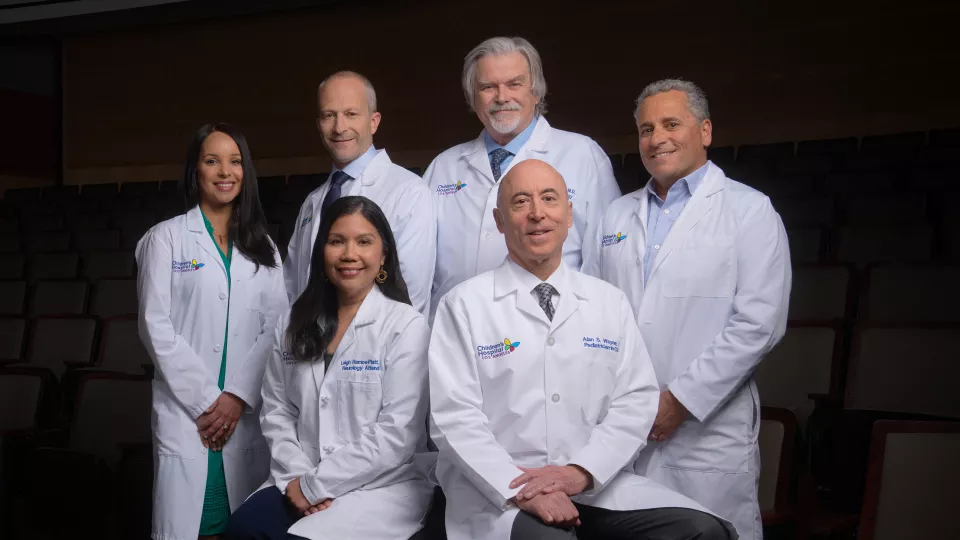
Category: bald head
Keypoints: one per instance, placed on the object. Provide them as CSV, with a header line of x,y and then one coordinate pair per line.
x,y
534,214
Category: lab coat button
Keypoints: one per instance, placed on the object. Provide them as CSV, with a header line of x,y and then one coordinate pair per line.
x,y
555,397
223,296
656,246
217,348
328,449
324,399
550,341
488,235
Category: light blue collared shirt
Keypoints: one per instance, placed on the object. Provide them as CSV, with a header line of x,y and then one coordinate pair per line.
x,y
356,167
513,146
663,214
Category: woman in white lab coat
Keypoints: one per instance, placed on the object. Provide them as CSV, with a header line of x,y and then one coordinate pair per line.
x,y
210,290
345,396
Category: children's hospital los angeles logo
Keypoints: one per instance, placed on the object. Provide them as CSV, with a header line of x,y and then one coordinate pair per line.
x,y
611,239
497,350
187,266
447,189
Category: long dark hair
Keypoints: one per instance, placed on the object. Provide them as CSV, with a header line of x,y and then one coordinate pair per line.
x,y
313,317
248,225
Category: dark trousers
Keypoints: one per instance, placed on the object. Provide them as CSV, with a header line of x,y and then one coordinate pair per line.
x,y
602,524
266,515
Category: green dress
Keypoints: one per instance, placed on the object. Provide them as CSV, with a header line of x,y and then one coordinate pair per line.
x,y
216,505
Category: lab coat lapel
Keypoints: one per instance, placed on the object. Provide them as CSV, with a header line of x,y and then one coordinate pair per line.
x,y
700,204
536,147
196,226
367,314
570,295
476,156
506,281
376,169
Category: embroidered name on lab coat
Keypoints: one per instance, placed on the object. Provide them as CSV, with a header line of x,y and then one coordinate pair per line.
x,y
359,365
601,343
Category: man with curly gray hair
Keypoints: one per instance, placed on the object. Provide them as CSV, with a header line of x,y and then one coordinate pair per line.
x,y
504,85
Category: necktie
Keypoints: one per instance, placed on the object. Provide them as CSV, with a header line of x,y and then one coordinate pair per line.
x,y
336,182
545,293
496,159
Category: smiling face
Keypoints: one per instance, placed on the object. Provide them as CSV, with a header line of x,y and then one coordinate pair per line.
x,y
353,255
672,142
504,98
219,171
346,122
534,214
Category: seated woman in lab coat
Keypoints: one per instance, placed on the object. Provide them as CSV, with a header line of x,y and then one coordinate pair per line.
x,y
345,396
210,289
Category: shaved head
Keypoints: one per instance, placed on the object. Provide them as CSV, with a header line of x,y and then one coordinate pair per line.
x,y
534,214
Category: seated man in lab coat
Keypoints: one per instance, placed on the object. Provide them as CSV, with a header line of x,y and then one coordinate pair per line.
x,y
705,263
347,120
542,392
504,85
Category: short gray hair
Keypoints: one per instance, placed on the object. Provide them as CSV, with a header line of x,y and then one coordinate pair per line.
x,y
696,97
371,93
499,46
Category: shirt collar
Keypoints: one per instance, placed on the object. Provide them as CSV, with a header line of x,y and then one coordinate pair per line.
x,y
528,281
690,182
516,144
356,167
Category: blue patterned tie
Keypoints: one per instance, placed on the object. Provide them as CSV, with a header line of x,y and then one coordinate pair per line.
x,y
496,159
336,182
545,293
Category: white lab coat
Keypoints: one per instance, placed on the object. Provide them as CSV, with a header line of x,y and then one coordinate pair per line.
x,y
183,316
409,209
715,303
577,390
355,434
468,242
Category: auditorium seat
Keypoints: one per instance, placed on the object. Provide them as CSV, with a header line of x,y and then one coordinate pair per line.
x,y
29,209
56,342
22,194
21,395
892,144
830,147
12,295
58,298
820,293
765,153
816,165
112,297
96,240
87,222
73,207
9,224
911,294
805,244
721,155
121,349
306,182
945,138
10,242
270,187
772,185
778,430
42,223
60,193
108,264
913,473
120,204
111,410
898,208
951,243
884,243
12,338
47,242
933,178
138,190
168,190
806,211
53,266
800,365
11,266
100,191
859,183
905,369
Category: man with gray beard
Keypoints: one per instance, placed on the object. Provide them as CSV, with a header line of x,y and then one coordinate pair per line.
x,y
504,85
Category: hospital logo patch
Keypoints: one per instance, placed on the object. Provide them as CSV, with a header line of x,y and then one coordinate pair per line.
x,y
359,365
187,266
601,343
485,352
306,220
612,239
449,189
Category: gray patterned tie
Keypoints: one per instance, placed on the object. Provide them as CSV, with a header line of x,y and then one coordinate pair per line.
x,y
496,159
545,293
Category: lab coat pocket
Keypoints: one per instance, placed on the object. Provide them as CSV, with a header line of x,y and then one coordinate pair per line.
x,y
601,377
723,444
704,271
358,405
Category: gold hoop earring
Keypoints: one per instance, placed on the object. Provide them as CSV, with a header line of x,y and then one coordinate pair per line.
x,y
381,276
